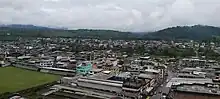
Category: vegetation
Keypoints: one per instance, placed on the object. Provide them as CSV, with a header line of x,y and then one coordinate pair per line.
x,y
9,33
197,32
173,52
15,79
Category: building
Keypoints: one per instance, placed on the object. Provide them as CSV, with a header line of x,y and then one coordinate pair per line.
x,y
46,62
179,81
196,91
84,68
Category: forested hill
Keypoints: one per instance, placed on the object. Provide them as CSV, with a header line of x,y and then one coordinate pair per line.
x,y
13,32
197,32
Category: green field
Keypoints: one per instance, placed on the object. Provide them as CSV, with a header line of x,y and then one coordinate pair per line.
x,y
14,79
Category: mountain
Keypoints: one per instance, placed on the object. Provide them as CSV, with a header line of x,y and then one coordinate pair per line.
x,y
38,31
196,32
25,26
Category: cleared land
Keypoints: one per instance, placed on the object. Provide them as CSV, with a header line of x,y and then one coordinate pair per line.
x,y
14,79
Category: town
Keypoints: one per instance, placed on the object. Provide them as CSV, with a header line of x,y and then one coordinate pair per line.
x,y
115,69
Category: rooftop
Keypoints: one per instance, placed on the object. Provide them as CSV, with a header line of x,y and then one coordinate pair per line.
x,y
198,89
101,76
146,76
152,70
124,75
192,69
178,81
190,75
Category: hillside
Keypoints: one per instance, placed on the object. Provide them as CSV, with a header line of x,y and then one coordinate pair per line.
x,y
24,26
11,32
197,32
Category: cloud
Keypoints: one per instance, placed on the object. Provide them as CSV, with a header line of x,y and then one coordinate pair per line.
x,y
126,15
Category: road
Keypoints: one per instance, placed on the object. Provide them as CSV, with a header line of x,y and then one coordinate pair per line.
x,y
163,85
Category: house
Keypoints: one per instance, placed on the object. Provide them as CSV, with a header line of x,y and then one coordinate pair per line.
x,y
46,62
84,68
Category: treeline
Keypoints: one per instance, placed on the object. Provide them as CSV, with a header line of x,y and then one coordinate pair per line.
x,y
81,33
197,32
173,52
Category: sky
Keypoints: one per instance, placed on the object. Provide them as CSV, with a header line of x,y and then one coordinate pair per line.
x,y
124,15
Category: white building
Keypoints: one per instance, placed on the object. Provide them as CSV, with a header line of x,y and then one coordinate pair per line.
x,y
46,63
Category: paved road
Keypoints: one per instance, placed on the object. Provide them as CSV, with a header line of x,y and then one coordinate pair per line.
x,y
163,85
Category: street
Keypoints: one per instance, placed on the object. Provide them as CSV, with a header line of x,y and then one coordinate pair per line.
x,y
162,86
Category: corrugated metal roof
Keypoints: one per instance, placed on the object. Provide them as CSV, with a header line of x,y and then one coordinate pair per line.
x,y
178,81
146,76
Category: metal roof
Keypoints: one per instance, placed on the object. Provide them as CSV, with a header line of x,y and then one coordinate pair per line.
x,y
158,96
146,76
198,89
152,70
178,81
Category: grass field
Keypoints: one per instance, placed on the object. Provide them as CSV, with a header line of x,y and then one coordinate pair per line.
x,y
14,79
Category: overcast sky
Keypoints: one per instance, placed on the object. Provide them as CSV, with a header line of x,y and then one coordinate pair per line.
x,y
126,15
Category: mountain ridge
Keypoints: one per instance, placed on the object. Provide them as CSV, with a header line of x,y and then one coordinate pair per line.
x,y
196,32
29,26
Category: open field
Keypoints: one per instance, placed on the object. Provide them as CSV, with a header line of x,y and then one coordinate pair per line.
x,y
14,79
